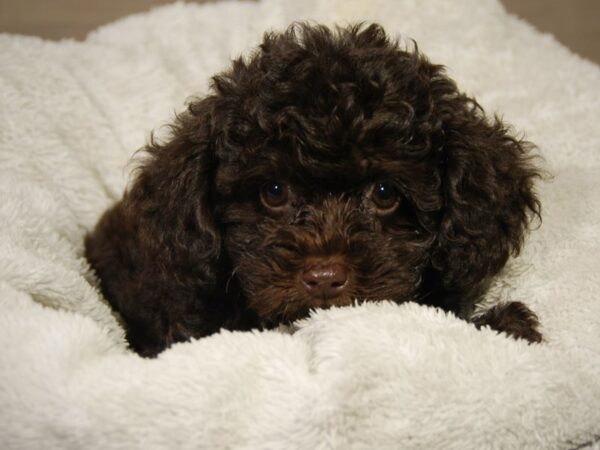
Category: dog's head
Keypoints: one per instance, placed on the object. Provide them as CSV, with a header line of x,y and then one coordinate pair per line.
x,y
332,166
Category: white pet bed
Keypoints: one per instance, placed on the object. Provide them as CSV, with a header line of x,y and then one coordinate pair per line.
x,y
378,376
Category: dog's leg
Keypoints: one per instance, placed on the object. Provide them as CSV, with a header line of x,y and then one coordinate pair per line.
x,y
512,318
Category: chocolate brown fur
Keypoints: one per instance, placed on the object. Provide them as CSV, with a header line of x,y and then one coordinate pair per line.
x,y
193,246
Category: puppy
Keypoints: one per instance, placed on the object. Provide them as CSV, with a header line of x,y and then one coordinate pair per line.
x,y
330,166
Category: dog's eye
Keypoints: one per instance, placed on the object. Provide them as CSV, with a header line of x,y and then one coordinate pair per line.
x,y
384,196
275,194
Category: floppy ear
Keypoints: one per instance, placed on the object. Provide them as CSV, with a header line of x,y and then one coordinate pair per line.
x,y
157,251
488,179
171,194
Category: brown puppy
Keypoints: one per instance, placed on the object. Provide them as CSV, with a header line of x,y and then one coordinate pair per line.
x,y
327,167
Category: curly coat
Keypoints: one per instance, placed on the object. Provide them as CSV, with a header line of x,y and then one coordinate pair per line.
x,y
332,147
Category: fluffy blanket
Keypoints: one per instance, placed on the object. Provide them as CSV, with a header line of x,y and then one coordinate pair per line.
x,y
375,376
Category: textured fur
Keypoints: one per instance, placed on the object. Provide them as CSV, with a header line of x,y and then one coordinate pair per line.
x,y
192,248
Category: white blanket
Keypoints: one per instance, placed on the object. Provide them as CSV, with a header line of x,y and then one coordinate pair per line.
x,y
378,376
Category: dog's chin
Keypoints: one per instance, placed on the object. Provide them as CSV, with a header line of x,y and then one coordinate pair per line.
x,y
287,307
325,303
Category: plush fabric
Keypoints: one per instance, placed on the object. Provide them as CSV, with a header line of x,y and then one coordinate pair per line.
x,y
373,376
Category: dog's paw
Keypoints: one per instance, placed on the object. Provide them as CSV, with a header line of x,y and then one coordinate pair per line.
x,y
513,318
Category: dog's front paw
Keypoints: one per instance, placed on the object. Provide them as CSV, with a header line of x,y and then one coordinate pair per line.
x,y
513,318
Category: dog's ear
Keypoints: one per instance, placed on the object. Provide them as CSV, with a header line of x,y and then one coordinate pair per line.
x,y
488,188
171,194
157,251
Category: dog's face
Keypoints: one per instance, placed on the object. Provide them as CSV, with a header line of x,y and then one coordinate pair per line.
x,y
329,180
305,237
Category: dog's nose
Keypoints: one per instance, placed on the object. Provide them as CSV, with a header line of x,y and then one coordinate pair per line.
x,y
325,279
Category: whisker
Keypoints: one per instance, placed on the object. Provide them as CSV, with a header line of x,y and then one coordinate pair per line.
x,y
230,278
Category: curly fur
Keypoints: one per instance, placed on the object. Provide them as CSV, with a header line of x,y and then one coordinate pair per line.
x,y
191,248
